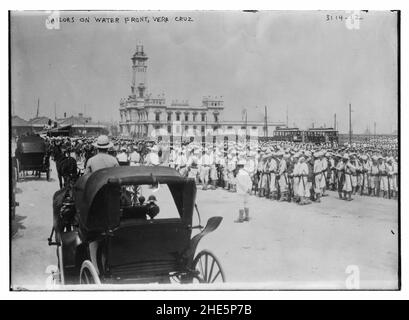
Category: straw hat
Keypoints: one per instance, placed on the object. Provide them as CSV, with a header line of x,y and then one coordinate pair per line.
x,y
103,142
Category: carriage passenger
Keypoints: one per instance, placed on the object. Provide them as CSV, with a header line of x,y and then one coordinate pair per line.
x,y
102,159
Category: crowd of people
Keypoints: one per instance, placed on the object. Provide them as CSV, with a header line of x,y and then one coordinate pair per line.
x,y
301,173
282,171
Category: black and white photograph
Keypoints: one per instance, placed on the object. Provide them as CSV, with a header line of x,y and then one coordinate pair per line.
x,y
204,150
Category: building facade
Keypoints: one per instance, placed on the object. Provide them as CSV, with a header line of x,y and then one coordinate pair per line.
x,y
143,115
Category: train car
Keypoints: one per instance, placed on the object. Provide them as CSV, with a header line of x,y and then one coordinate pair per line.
x,y
321,135
287,134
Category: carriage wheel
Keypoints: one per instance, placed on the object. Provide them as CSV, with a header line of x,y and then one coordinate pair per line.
x,y
208,268
88,273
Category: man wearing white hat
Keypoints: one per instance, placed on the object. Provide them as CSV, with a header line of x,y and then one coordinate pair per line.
x,y
324,165
122,157
260,173
192,166
392,167
102,159
349,170
231,167
273,181
340,169
318,176
332,174
365,179
213,169
283,178
134,157
383,177
295,177
152,159
244,183
303,186
205,169
373,177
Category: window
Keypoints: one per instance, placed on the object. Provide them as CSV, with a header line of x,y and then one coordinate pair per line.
x,y
203,116
169,116
186,128
157,116
178,117
216,118
186,117
203,129
194,117
169,129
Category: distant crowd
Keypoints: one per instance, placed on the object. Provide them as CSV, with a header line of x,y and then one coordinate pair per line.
x,y
283,171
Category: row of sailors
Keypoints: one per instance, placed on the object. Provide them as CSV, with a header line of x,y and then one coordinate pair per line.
x,y
301,176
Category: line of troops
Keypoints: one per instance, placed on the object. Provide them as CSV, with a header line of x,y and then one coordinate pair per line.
x,y
300,173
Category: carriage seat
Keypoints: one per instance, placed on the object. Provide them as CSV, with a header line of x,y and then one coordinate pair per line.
x,y
136,212
141,249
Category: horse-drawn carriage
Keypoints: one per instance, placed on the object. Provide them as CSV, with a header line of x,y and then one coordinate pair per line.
x,y
103,232
31,155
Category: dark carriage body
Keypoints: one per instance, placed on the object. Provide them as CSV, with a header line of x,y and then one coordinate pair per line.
x,y
31,154
131,249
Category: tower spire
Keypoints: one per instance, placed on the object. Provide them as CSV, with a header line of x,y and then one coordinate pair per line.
x,y
139,68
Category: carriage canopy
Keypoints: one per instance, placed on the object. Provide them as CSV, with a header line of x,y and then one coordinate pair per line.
x,y
97,194
31,144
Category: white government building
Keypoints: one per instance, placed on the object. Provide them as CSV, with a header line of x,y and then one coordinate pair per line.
x,y
143,115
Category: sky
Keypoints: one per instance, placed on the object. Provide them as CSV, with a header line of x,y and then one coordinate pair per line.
x,y
307,62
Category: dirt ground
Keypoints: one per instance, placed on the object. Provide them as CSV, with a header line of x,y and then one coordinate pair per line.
x,y
284,246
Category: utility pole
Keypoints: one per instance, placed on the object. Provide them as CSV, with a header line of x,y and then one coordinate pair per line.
x,y
350,125
335,121
265,121
287,117
38,108
374,129
246,130
55,111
